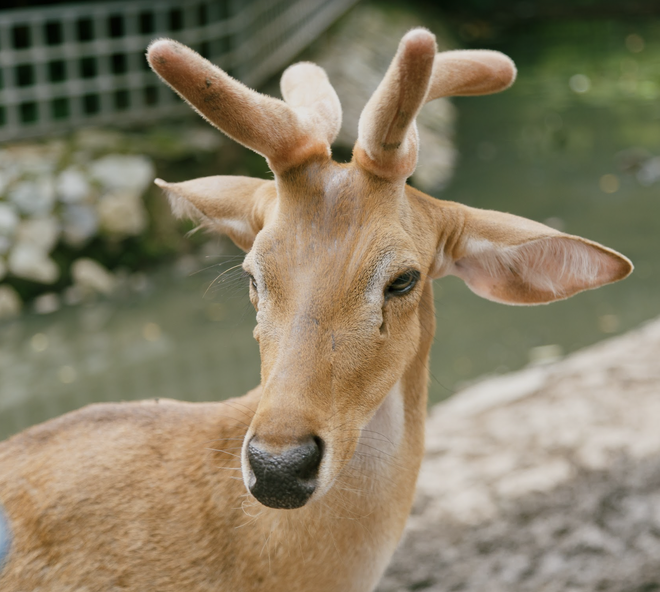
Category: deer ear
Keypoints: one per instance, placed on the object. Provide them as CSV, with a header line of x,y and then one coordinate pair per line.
x,y
235,206
513,260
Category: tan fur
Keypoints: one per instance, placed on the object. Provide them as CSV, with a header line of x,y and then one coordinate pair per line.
x,y
470,72
151,496
387,134
285,134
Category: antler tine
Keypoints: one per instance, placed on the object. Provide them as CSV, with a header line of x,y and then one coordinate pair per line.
x,y
305,86
264,124
387,134
468,72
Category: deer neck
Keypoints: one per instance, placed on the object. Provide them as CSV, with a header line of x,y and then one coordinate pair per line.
x,y
363,515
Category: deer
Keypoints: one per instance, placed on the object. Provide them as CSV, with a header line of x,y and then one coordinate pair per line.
x,y
306,482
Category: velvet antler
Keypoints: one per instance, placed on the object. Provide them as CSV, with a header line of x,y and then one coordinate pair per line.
x,y
470,72
387,134
286,132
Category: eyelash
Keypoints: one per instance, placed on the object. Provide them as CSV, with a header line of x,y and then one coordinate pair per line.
x,y
403,283
250,278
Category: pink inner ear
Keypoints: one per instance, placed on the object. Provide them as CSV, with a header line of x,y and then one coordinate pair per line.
x,y
539,271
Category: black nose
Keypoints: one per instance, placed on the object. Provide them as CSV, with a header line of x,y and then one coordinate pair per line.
x,y
285,480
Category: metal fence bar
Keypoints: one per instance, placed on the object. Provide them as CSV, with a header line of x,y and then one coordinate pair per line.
x,y
66,66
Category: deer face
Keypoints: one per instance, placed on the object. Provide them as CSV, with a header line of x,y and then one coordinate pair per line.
x,y
336,280
340,256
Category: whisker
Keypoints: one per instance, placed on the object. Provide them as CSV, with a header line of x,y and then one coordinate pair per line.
x,y
218,264
225,452
232,405
253,411
248,522
377,433
223,273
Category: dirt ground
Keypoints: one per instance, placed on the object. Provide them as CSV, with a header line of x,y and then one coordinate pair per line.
x,y
544,480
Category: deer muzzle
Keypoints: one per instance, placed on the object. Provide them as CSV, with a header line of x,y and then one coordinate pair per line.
x,y
285,479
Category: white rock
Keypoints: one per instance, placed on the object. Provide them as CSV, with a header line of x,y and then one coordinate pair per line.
x,y
118,171
72,186
30,262
122,213
73,295
5,244
10,302
203,139
81,222
6,177
81,158
41,232
92,276
35,159
34,198
99,139
47,303
650,172
8,219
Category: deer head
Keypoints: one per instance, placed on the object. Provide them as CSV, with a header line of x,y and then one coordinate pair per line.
x,y
340,257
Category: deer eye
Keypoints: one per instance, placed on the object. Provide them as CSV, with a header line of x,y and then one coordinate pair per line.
x,y
403,284
253,282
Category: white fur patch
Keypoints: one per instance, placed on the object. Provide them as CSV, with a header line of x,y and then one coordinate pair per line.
x,y
240,226
182,208
381,437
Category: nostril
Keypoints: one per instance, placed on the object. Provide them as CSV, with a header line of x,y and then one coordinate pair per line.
x,y
320,444
311,454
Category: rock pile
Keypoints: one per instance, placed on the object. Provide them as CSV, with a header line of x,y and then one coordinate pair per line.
x,y
52,194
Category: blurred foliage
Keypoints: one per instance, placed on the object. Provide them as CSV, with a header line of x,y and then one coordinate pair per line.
x,y
514,11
